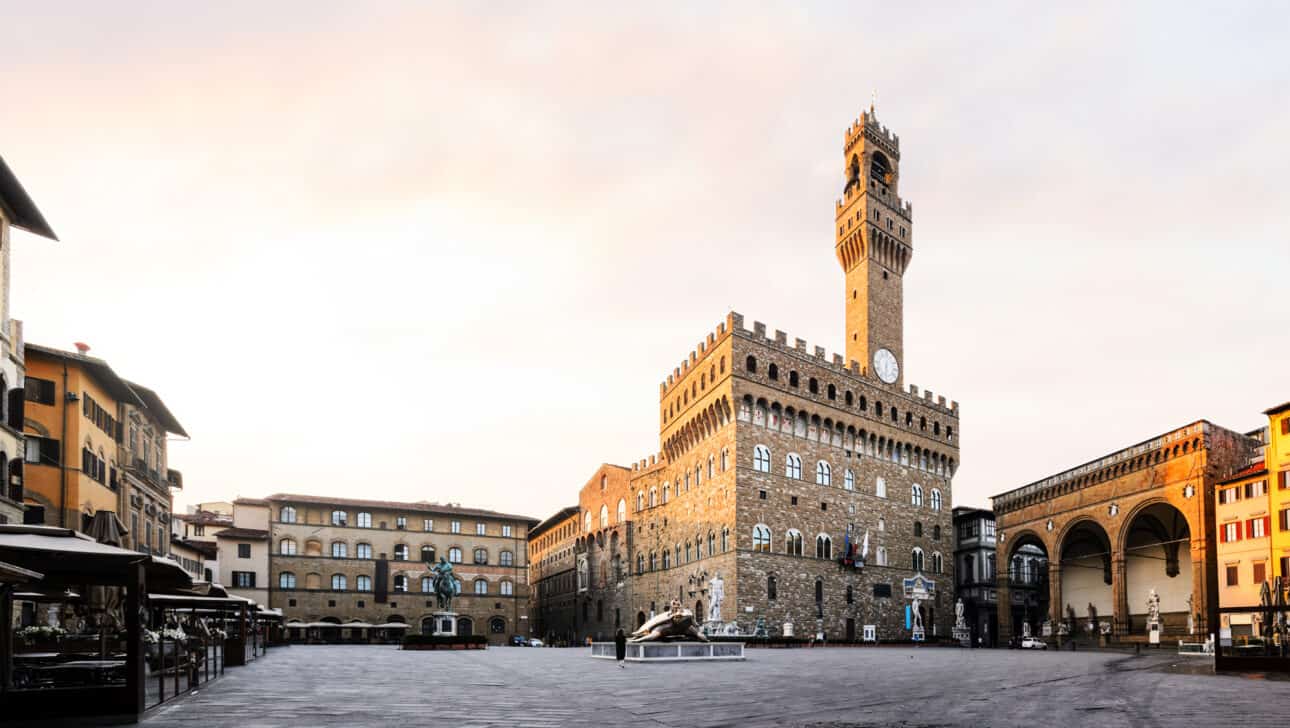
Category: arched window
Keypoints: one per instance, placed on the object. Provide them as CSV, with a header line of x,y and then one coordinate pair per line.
x,y
792,378
712,466
454,555
481,555
338,582
604,516
640,563
761,537
712,542
640,501
401,552
881,556
725,459
339,550
918,529
339,518
506,558
751,364
427,554
916,495
287,514
823,473
689,553
653,496
364,519
813,386
793,466
936,532
848,480
771,590
832,392
363,583
622,510
287,547
286,580
819,591
698,475
481,586
586,518
427,584
823,547
725,539
938,563
363,551
507,588
667,492
772,371
761,459
667,559
793,542
936,499
916,559
880,488
604,482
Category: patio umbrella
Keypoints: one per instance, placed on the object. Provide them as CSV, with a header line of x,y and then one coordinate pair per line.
x,y
106,528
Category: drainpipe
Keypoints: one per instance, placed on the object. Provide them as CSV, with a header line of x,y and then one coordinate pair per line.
x,y
62,460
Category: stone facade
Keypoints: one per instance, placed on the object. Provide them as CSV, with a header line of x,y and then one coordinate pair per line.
x,y
777,460
552,574
343,559
975,544
1138,519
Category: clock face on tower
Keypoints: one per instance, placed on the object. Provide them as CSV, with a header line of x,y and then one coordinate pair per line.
x,y
885,366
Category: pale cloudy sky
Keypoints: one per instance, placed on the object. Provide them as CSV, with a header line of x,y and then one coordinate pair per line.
x,y
425,252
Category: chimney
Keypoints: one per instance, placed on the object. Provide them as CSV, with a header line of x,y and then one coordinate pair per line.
x,y
82,347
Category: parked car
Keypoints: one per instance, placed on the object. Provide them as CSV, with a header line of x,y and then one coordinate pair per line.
x,y
1033,643
519,640
535,642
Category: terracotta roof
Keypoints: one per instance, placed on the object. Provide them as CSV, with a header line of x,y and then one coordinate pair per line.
x,y
250,502
1257,468
243,533
205,518
419,506
115,385
209,549
550,522
152,403
1278,409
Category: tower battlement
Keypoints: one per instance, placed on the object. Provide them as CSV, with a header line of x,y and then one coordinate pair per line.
x,y
867,126
700,350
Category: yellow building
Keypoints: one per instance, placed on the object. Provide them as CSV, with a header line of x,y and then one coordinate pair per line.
x,y
1277,462
94,442
1241,516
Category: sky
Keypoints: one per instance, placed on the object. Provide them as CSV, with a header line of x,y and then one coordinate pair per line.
x,y
448,252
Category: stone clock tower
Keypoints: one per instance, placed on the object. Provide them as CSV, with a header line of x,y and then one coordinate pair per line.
x,y
874,245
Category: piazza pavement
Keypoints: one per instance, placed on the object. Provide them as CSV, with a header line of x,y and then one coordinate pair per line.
x,y
837,687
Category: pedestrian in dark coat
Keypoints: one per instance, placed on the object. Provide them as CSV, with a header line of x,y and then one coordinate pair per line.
x,y
620,647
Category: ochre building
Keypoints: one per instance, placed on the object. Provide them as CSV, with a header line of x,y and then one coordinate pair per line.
x,y
777,460
1113,529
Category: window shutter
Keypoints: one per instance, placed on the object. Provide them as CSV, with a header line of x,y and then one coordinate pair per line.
x,y
17,398
1267,525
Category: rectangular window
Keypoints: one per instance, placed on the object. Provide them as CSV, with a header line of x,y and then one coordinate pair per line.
x,y
40,391
1231,532
1260,572
244,579
1255,528
479,529
506,530
1233,574
400,521
1284,476
1285,522
1229,495
456,527
429,524
1285,566
1256,489
244,551
42,450
1285,425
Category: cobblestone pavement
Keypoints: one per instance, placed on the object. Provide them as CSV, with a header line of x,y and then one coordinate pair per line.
x,y
322,686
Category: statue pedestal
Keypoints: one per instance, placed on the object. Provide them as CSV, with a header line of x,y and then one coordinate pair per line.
x,y
963,635
663,651
445,624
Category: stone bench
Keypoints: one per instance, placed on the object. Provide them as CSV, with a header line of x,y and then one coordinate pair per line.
x,y
671,651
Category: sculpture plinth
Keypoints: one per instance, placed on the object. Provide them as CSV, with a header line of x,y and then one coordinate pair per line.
x,y
445,624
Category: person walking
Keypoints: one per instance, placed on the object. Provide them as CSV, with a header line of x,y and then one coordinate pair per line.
x,y
620,647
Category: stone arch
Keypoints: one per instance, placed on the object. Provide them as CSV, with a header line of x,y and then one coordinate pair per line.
x,y
1156,545
1085,552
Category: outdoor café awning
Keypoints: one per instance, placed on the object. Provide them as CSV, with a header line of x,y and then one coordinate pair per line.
x,y
392,625
358,625
185,600
10,574
64,556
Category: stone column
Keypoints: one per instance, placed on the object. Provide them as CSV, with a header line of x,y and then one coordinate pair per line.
x,y
1199,588
1119,595
1055,595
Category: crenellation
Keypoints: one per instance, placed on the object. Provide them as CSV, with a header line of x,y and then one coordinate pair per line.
x,y
800,345
913,391
837,360
781,338
759,329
